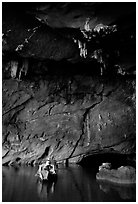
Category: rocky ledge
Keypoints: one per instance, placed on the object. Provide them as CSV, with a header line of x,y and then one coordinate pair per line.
x,y
122,175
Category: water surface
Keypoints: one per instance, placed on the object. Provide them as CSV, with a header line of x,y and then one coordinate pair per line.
x,y
74,184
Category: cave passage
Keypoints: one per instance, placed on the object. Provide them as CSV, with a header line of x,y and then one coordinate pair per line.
x,y
116,160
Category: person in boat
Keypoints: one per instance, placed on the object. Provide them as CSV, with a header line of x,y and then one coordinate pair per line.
x,y
43,172
53,166
47,168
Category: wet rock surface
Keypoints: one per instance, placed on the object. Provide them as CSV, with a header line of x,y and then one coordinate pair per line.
x,y
125,191
67,121
68,80
122,175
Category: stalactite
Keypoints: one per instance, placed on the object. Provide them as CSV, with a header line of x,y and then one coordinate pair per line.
x,y
14,68
24,68
88,129
87,26
83,49
98,55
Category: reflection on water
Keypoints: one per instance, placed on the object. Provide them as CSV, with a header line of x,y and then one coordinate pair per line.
x,y
45,189
74,184
126,192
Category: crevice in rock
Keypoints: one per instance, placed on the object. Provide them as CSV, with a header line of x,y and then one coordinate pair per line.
x,y
108,149
44,104
45,154
6,154
83,125
20,105
5,137
111,91
50,109
16,114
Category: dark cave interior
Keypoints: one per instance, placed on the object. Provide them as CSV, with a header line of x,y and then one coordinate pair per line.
x,y
115,159
69,96
86,66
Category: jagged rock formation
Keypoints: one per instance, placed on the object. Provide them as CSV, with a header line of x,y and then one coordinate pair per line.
x,y
122,175
67,120
68,87
105,29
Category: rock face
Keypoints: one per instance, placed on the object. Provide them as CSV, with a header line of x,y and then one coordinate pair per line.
x,y
67,117
122,175
68,80
34,39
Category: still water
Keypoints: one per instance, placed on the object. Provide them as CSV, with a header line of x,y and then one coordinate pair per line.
x,y
74,184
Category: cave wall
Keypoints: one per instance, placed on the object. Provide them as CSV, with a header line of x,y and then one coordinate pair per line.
x,y
68,117
68,80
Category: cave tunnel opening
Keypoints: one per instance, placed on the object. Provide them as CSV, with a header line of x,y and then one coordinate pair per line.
x,y
116,160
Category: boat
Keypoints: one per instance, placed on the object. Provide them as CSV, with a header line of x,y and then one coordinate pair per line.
x,y
47,172
49,178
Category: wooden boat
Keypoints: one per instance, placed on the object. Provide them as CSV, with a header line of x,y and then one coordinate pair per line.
x,y
46,174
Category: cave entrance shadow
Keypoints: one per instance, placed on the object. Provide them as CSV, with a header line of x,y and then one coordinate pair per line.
x,y
116,160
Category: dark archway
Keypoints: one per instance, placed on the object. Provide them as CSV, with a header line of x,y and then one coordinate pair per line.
x,y
116,160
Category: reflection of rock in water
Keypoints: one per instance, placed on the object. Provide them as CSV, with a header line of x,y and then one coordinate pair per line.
x,y
125,192
46,188
122,175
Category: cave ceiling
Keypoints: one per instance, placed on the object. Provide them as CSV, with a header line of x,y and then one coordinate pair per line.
x,y
74,31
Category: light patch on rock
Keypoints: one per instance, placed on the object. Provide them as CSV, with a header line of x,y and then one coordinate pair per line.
x,y
83,49
100,117
14,68
120,71
87,26
19,47
24,68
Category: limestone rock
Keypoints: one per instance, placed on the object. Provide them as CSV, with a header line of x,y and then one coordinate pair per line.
x,y
122,175
38,123
68,80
